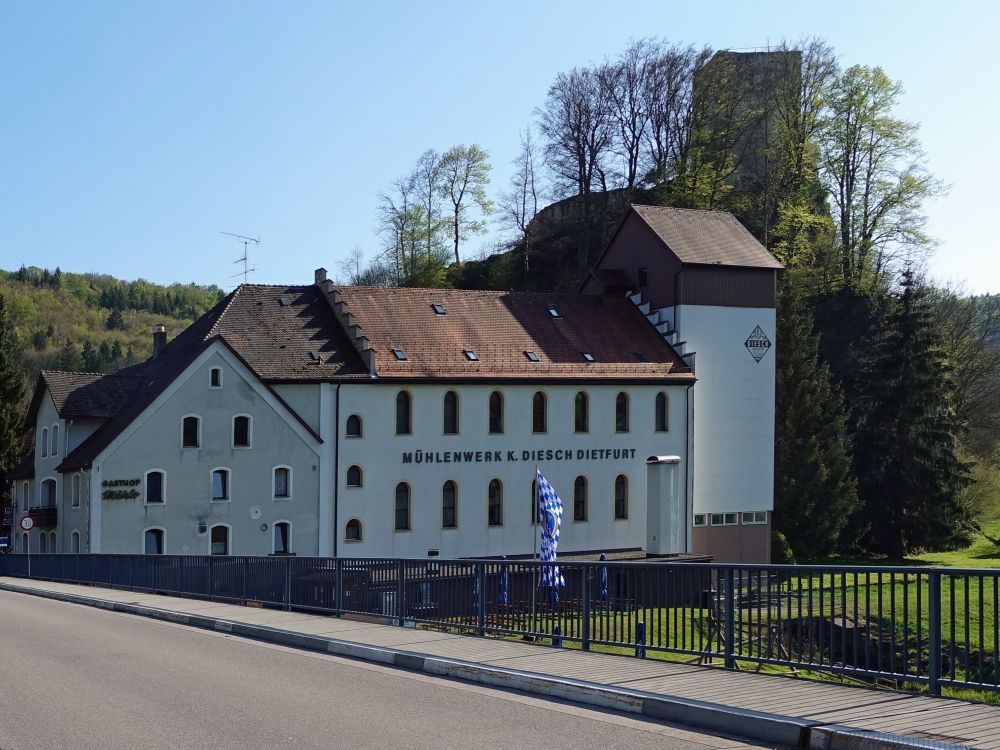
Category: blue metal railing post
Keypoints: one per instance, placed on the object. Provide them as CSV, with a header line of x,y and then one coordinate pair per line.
x,y
934,632
730,621
481,600
338,586
400,591
288,583
585,635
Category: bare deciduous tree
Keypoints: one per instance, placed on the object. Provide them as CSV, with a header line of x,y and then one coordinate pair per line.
x,y
519,204
577,126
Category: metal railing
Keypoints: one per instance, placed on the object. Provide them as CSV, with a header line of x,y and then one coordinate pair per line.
x,y
932,626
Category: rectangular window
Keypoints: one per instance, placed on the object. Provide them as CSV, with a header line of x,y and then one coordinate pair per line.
x,y
154,487
700,520
241,432
754,517
724,519
220,484
153,542
215,377
281,538
220,540
190,438
281,482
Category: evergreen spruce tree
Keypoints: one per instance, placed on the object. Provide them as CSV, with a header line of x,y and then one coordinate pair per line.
x,y
909,473
11,397
91,359
814,491
69,358
115,321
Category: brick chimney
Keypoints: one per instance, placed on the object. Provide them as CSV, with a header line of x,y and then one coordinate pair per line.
x,y
159,338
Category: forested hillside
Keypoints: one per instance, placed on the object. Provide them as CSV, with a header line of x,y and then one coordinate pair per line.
x,y
93,322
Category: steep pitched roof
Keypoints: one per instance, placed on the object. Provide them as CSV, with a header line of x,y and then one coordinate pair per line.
x,y
240,322
500,327
706,237
24,470
277,330
82,395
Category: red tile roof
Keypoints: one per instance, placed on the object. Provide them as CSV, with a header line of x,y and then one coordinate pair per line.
x,y
500,327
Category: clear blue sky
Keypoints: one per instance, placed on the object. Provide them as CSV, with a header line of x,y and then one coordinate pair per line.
x,y
132,132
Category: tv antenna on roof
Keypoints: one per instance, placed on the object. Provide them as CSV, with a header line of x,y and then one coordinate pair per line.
x,y
244,260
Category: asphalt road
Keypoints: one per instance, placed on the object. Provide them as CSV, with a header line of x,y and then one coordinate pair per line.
x,y
76,677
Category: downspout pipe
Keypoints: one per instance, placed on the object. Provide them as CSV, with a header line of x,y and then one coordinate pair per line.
x,y
336,469
689,470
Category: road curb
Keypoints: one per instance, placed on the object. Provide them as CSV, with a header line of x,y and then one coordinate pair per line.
x,y
764,727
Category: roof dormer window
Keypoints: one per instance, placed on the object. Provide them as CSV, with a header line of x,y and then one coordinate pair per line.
x,y
399,354
471,355
532,357
438,309
588,356
554,312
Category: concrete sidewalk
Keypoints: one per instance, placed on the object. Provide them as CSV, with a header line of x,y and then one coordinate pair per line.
x,y
779,710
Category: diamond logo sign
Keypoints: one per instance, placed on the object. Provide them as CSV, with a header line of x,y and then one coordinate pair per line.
x,y
757,344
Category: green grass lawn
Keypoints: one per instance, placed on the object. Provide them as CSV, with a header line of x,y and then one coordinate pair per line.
x,y
982,553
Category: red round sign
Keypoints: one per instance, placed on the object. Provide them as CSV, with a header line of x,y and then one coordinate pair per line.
x,y
27,522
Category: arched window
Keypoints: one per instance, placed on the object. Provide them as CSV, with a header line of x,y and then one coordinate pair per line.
x,y
155,487
24,542
152,541
219,540
403,409
48,497
25,495
451,413
538,413
241,431
76,491
74,543
45,442
495,504
43,542
449,505
621,412
580,499
352,532
661,412
52,542
496,413
191,432
55,440
220,484
282,538
282,482
621,497
581,415
354,428
402,520
355,477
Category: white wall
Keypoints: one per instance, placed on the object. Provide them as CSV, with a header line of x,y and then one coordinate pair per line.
x,y
380,454
156,444
733,407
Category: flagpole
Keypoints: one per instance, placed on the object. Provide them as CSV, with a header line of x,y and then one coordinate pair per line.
x,y
534,547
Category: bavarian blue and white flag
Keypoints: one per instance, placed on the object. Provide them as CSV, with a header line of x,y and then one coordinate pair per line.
x,y
550,510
